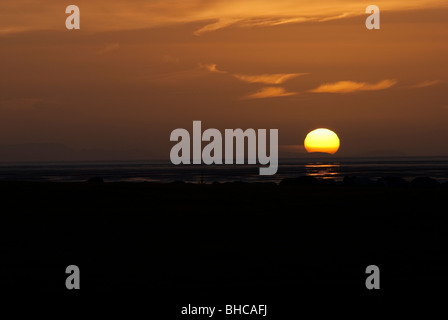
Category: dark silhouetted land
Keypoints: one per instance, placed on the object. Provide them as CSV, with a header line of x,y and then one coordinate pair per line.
x,y
225,239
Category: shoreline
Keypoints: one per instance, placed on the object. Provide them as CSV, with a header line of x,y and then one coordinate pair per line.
x,y
347,181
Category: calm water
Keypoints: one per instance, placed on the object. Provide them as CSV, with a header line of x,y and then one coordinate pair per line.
x,y
408,168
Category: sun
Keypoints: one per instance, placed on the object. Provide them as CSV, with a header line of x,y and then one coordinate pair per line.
x,y
322,140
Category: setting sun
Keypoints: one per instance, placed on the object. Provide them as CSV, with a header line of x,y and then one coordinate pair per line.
x,y
322,140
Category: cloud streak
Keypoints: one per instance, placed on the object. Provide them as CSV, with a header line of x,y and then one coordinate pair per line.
x,y
427,83
268,79
270,92
102,15
352,86
276,78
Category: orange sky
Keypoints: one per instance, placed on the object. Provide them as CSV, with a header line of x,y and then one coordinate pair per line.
x,y
139,69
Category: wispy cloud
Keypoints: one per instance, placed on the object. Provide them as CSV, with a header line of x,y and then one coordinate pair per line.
x,y
272,21
262,13
276,78
17,15
339,16
220,24
212,67
427,83
352,86
249,22
266,22
270,92
267,78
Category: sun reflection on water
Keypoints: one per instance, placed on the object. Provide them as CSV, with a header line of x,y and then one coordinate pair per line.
x,y
322,170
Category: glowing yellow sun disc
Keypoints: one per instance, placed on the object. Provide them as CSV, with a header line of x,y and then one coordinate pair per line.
x,y
322,140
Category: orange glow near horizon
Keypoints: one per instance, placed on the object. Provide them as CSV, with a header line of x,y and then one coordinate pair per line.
x,y
322,140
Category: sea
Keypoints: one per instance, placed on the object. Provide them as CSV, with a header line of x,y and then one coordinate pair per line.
x,y
408,168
